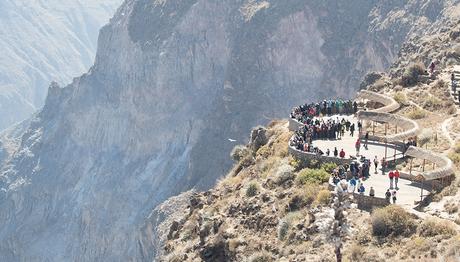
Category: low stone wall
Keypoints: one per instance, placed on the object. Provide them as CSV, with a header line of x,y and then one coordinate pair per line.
x,y
367,202
306,156
294,125
364,202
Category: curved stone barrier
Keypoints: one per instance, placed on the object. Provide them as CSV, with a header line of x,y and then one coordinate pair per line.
x,y
307,156
444,164
294,125
390,105
411,127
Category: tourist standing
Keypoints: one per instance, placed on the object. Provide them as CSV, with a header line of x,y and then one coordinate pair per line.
x,y
376,164
328,152
366,140
372,192
452,79
336,152
342,153
361,189
357,146
388,195
394,196
352,129
391,175
396,175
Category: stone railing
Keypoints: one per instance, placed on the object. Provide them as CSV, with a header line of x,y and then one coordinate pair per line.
x,y
294,125
308,156
444,165
411,127
389,104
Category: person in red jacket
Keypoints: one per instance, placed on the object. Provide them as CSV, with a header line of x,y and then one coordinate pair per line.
x,y
391,175
357,146
342,153
396,176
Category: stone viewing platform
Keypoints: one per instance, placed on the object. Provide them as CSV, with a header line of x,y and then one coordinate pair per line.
x,y
319,136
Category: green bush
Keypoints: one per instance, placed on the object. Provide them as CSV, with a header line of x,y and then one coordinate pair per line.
x,y
436,227
412,73
329,167
239,152
252,189
392,220
313,176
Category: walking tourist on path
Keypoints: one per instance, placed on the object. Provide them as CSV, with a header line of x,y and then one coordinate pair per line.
x,y
384,163
352,129
366,140
394,196
336,152
396,176
357,146
376,164
391,175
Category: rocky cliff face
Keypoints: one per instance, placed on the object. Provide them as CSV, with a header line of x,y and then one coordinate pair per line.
x,y
173,81
44,41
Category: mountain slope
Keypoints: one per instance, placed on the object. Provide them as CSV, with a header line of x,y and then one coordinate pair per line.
x,y
173,83
44,41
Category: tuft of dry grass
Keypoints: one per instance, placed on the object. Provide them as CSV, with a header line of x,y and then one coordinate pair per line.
x,y
416,113
392,221
436,227
401,98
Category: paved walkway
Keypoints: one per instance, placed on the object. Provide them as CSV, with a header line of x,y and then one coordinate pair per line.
x,y
408,192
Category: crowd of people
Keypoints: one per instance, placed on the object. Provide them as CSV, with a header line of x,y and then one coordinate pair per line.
x,y
326,108
352,177
314,129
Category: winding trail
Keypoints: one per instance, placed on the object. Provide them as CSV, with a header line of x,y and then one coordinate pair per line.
x,y
444,166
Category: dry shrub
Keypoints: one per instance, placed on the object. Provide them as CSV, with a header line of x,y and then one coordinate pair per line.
x,y
260,257
416,113
451,207
401,98
280,144
323,198
412,73
432,103
417,246
264,151
452,110
356,252
239,152
436,227
392,221
453,249
252,189
284,174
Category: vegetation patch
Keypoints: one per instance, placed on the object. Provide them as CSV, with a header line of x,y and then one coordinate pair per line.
x,y
435,227
416,113
312,176
412,73
252,189
392,221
